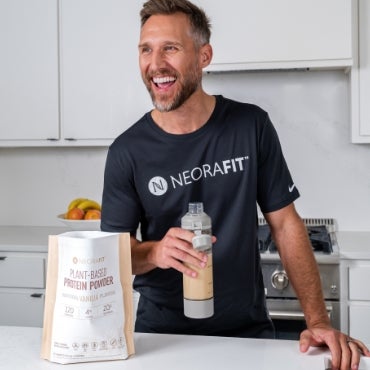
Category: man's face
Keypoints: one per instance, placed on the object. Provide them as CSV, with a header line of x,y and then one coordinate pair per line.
x,y
169,61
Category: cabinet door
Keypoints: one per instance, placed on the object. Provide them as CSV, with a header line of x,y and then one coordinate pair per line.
x,y
102,93
359,300
29,70
249,34
359,324
22,271
22,307
357,275
361,79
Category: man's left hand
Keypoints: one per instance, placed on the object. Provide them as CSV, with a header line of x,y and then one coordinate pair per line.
x,y
345,351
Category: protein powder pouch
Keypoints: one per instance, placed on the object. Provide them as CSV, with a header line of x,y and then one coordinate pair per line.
x,y
88,313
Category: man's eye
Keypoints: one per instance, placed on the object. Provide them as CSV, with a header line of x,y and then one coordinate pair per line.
x,y
170,48
145,50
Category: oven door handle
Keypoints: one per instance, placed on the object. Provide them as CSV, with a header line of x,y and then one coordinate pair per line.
x,y
283,315
293,315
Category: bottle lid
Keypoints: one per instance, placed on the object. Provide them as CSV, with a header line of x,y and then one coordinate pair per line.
x,y
202,242
196,208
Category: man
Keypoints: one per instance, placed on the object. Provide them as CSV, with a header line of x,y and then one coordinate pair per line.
x,y
196,147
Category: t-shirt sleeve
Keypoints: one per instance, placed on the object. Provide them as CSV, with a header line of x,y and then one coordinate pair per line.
x,y
275,186
120,205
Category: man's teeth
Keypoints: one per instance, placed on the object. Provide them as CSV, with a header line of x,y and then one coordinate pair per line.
x,y
162,80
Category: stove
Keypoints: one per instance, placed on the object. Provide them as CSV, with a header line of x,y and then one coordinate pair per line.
x,y
281,300
321,232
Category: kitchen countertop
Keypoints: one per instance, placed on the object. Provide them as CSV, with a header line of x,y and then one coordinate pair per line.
x,y
27,238
354,244
20,350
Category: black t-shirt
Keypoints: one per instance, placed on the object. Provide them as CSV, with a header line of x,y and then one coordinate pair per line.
x,y
232,162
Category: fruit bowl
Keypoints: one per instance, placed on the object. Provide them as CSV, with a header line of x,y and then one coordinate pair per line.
x,y
80,225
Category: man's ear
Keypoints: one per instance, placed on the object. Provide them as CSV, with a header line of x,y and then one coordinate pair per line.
x,y
206,54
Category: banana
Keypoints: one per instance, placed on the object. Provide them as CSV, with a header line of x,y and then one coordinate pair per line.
x,y
89,204
75,202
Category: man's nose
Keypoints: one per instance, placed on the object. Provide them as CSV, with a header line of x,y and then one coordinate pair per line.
x,y
158,60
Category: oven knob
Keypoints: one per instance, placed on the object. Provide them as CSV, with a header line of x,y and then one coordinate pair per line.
x,y
279,280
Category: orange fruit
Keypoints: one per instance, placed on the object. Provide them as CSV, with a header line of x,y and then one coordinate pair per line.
x,y
92,214
75,214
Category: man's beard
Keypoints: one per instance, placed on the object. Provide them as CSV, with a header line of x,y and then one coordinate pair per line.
x,y
187,87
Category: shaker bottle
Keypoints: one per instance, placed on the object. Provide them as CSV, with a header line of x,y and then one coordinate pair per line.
x,y
198,292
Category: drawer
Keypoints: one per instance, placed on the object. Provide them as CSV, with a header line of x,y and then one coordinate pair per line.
x,y
22,307
22,271
359,324
358,289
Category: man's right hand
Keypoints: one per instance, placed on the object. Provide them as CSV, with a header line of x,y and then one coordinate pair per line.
x,y
172,251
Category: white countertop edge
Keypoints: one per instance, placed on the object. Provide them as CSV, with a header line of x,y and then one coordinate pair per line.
x,y
354,244
27,238
20,349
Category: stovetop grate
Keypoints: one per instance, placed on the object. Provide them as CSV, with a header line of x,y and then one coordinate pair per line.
x,y
330,223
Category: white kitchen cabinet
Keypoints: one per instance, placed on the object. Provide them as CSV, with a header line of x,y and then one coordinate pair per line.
x,y
359,314
102,93
360,78
270,34
28,70
71,75
22,288
356,298
357,274
69,72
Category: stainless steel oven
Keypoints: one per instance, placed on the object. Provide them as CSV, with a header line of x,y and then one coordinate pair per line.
x,y
282,302
289,320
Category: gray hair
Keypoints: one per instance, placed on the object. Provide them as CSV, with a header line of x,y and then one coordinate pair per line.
x,y
200,23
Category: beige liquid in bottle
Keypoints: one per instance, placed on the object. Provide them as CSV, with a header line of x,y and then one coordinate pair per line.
x,y
201,287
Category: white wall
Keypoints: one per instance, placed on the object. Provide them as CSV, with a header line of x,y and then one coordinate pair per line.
x,y
309,109
36,184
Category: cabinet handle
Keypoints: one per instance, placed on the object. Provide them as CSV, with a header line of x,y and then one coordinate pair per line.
x,y
36,295
2,258
70,139
52,139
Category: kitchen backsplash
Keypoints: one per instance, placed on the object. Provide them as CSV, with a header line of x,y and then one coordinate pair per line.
x,y
310,110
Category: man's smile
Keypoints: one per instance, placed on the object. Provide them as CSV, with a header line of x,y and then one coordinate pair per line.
x,y
164,82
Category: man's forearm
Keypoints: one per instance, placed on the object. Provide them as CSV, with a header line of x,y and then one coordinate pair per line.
x,y
140,259
291,238
301,267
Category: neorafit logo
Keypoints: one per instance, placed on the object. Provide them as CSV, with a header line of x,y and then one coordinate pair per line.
x,y
158,185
